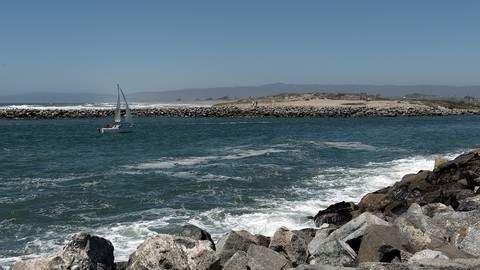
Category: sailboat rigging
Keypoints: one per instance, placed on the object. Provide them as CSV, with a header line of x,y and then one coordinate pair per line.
x,y
122,124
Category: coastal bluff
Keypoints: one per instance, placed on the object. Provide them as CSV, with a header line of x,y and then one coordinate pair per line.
x,y
242,111
428,220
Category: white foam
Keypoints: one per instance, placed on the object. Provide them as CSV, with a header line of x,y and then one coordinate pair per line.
x,y
234,154
99,106
352,146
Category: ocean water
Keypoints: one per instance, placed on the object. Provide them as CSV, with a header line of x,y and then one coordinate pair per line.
x,y
58,177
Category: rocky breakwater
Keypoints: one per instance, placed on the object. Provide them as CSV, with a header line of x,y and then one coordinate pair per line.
x,y
233,111
428,220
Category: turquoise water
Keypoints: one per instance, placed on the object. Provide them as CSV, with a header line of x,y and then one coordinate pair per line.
x,y
58,177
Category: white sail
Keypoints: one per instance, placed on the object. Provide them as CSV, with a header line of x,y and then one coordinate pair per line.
x,y
118,116
128,114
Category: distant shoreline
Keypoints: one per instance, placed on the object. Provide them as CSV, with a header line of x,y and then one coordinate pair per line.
x,y
343,109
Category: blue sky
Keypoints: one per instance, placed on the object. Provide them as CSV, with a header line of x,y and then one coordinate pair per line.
x,y
89,46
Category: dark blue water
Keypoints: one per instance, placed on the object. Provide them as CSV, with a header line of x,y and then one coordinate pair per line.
x,y
58,177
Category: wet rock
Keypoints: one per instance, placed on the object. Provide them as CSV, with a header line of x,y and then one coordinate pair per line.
x,y
194,232
338,214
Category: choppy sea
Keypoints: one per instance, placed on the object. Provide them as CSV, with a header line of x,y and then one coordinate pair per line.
x,y
58,177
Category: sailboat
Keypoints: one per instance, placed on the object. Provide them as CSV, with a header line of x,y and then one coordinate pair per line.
x,y
123,123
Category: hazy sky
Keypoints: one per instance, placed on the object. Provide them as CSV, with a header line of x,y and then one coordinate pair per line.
x,y
89,46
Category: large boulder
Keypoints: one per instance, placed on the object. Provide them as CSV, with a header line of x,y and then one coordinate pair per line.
x,y
419,229
290,245
232,242
356,227
163,251
340,247
265,258
82,252
382,243
335,252
457,224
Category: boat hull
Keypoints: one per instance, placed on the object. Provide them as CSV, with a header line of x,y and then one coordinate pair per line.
x,y
116,129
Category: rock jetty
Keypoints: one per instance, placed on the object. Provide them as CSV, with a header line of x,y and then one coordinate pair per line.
x,y
236,111
428,220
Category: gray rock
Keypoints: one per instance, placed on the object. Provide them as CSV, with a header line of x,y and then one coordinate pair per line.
x,y
239,261
442,264
382,244
469,204
419,229
356,227
428,254
427,264
319,238
471,242
457,224
265,258
164,251
453,252
290,245
263,240
306,234
334,252
82,252
320,267
232,242
432,209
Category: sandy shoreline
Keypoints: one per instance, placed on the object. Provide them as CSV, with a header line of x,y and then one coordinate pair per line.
x,y
325,103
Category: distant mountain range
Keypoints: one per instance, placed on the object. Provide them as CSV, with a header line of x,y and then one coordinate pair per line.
x,y
241,92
